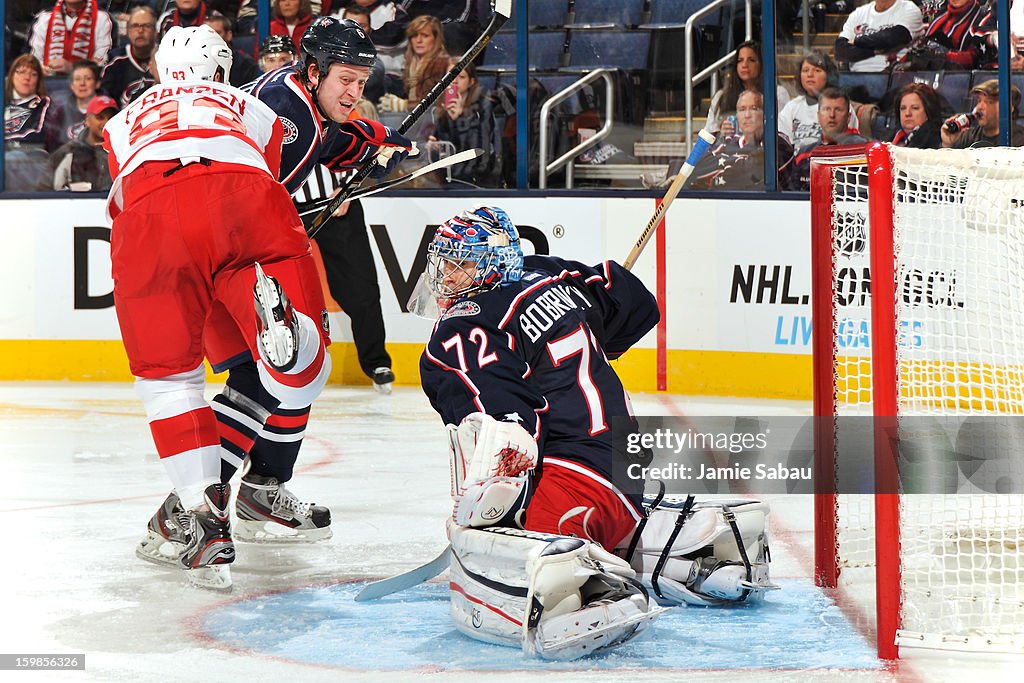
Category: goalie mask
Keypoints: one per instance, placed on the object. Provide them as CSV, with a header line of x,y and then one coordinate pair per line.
x,y
193,53
474,252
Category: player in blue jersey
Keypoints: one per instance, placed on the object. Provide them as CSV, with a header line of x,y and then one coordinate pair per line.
x,y
527,341
517,366
315,100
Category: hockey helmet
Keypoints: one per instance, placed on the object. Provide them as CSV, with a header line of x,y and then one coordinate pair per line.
x,y
192,53
473,252
330,40
277,44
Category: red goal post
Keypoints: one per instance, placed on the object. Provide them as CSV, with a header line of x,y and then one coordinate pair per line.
x,y
915,318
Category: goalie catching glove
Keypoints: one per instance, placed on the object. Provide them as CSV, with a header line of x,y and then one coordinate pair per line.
x,y
490,466
366,139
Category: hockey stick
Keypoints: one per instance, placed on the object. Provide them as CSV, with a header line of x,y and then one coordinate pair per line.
x,y
502,11
704,142
400,582
466,155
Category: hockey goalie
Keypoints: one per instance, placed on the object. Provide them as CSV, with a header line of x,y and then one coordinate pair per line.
x,y
517,367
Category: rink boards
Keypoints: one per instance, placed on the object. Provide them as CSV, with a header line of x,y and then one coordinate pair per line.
x,y
735,276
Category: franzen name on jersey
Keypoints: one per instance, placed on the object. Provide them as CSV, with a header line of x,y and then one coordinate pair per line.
x,y
513,351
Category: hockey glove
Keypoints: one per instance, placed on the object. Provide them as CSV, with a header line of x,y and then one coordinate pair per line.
x,y
362,139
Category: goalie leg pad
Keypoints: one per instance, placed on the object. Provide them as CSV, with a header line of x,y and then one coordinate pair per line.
x,y
557,597
705,564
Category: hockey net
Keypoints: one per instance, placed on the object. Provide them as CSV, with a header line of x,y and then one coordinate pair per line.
x,y
918,285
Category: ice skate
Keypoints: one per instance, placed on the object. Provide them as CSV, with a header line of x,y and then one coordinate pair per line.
x,y
383,380
208,548
278,334
164,539
267,512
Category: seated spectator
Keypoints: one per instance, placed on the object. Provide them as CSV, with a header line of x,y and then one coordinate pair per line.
x,y
798,120
464,118
746,75
989,23
248,15
388,24
243,66
877,34
426,63
81,165
185,13
984,131
956,39
31,124
374,89
458,19
290,18
277,51
919,111
73,30
834,119
737,161
84,81
128,72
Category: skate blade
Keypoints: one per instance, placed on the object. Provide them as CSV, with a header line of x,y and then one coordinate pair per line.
x,y
384,389
251,531
214,577
268,300
158,550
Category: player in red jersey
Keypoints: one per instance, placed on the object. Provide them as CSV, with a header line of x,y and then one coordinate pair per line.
x,y
200,220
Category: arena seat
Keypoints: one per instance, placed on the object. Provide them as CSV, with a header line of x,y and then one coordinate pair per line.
x,y
546,49
605,14
875,84
590,50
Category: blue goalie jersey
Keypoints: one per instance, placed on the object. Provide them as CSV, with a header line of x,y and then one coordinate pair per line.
x,y
537,352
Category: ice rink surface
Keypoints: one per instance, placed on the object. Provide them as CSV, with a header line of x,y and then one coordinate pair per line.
x,y
82,479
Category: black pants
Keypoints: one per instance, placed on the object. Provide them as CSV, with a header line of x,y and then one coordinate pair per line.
x,y
352,279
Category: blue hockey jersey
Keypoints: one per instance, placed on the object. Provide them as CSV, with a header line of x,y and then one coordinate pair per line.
x,y
537,352
308,141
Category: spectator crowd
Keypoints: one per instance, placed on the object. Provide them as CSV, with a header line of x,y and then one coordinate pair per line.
x,y
75,51
81,60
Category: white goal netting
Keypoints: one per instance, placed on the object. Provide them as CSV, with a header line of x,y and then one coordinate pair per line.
x,y
958,273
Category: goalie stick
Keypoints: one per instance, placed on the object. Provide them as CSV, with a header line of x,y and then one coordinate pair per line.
x,y
502,11
400,582
465,155
704,142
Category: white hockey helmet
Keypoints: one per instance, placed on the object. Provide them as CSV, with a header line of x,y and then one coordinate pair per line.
x,y
192,53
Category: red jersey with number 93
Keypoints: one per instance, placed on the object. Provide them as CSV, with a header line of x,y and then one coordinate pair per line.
x,y
202,119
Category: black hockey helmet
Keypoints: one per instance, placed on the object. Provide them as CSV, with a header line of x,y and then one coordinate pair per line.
x,y
277,44
330,40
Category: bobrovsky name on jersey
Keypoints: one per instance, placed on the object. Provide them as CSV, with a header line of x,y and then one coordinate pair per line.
x,y
777,285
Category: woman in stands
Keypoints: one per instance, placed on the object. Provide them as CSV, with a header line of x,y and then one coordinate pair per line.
x,y
919,110
290,18
745,75
83,81
798,120
426,62
31,124
464,117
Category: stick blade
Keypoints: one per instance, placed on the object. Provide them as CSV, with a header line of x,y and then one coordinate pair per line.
x,y
503,8
401,582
